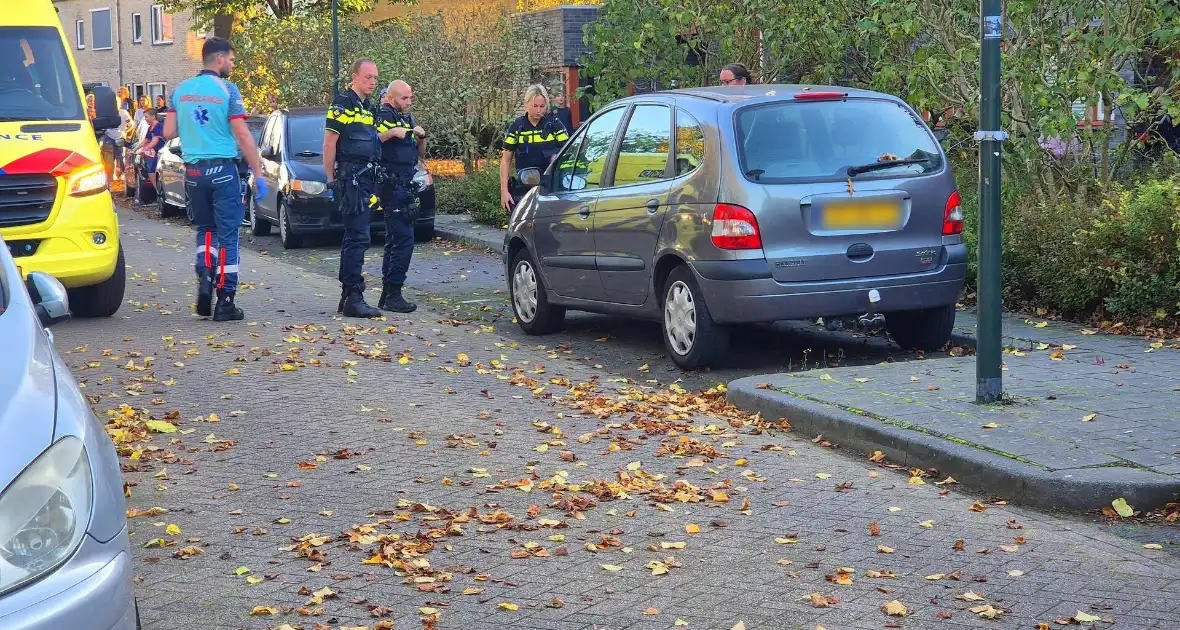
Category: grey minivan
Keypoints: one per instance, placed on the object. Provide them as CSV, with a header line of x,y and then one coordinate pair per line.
x,y
712,207
65,553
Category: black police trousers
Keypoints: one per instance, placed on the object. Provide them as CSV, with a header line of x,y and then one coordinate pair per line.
x,y
399,205
357,189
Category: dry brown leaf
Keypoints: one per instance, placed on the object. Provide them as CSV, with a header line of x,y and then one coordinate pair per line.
x,y
894,609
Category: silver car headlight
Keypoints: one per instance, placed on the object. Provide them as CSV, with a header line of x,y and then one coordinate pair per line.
x,y
44,513
309,187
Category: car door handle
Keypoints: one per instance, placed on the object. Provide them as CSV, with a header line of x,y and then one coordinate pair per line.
x,y
653,205
584,212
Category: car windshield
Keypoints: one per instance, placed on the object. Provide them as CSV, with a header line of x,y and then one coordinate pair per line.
x,y
305,134
36,82
255,126
820,140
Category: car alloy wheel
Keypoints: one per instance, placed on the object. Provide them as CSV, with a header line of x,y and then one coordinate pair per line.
x,y
680,318
524,291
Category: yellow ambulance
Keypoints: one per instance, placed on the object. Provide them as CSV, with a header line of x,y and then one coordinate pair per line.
x,y
56,214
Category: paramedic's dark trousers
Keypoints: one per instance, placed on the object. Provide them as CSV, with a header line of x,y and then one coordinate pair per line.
x,y
215,192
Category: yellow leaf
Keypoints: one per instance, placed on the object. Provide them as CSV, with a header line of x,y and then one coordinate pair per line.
x,y
463,358
863,380
253,579
542,448
822,476
935,577
472,590
692,528
287,367
917,481
1153,546
1041,324
508,606
1082,617
1089,417
786,541
426,610
1120,506
611,567
402,360
673,545
159,426
1067,346
825,377
991,425
884,549
927,524
970,596
241,570
894,509
1016,573
233,371
264,610
173,530
894,609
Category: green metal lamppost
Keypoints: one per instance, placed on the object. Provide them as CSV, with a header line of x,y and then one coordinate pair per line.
x,y
335,49
988,355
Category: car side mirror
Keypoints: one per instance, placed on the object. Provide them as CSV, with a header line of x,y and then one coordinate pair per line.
x,y
530,177
50,299
106,109
941,134
268,153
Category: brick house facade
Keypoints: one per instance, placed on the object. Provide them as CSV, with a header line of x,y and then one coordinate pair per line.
x,y
131,43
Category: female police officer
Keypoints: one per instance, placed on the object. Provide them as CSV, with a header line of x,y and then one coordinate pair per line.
x,y
533,140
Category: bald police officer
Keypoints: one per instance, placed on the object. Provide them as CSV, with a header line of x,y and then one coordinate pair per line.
x,y
351,154
403,144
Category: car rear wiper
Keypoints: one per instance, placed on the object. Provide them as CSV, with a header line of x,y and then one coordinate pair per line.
x,y
853,171
308,153
756,174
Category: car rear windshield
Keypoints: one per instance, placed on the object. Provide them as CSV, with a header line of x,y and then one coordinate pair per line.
x,y
36,82
790,141
305,134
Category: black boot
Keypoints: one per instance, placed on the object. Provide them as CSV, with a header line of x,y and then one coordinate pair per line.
x,y
392,300
205,292
355,306
343,295
384,296
226,311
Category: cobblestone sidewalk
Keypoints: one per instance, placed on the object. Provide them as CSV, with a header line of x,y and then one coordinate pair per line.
x,y
432,474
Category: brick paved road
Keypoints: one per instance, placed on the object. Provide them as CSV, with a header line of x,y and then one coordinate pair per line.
x,y
441,449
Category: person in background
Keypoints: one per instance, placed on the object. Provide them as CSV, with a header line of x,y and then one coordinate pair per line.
x,y
161,103
118,139
152,142
125,99
91,111
562,112
735,74
532,141
142,104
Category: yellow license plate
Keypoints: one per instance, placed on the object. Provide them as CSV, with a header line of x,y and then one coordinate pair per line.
x,y
862,216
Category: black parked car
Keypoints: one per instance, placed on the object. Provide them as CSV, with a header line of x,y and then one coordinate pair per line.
x,y
297,196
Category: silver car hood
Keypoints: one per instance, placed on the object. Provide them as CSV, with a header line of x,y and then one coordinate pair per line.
x,y
28,390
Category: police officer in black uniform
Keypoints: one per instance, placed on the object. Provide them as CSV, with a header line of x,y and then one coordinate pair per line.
x,y
532,141
351,154
403,144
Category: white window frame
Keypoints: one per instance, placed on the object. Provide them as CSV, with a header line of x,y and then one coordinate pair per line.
x,y
158,35
136,20
110,20
80,34
152,94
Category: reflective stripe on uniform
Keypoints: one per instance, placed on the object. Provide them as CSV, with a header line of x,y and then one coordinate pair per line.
x,y
534,137
348,116
386,125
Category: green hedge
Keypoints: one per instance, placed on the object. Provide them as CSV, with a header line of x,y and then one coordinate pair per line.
x,y
477,194
1117,257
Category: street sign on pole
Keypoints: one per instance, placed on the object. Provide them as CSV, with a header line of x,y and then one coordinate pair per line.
x,y
335,49
988,352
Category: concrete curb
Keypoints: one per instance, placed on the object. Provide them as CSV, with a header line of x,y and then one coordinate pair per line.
x,y
1017,481
459,235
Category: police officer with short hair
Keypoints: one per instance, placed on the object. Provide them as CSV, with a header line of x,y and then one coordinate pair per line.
x,y
351,153
403,144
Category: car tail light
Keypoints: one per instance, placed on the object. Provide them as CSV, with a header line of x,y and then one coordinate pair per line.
x,y
821,96
735,227
952,217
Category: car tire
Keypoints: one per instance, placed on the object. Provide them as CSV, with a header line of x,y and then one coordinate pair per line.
x,y
530,303
162,207
104,298
927,329
424,232
258,225
691,336
287,235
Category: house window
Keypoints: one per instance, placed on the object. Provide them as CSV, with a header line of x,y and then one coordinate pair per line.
x,y
102,34
80,31
136,28
161,26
